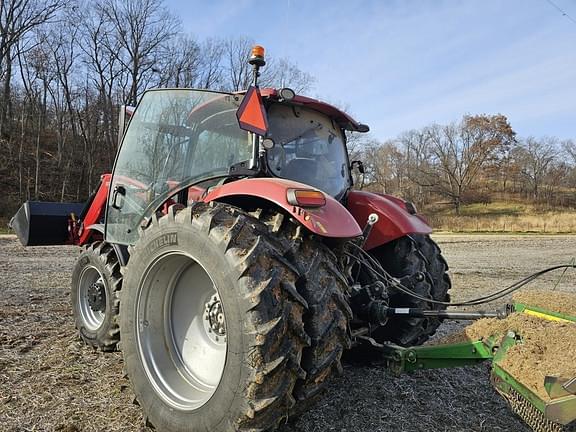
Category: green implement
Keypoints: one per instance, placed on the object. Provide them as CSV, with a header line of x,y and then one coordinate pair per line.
x,y
543,313
553,414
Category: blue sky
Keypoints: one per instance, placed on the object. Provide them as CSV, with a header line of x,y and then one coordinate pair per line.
x,y
398,65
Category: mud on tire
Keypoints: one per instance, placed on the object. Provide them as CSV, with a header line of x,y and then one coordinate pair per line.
x,y
327,318
264,329
97,275
286,316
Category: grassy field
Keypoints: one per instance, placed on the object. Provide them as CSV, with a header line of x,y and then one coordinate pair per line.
x,y
505,218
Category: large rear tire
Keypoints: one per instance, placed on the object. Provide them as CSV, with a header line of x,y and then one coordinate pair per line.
x,y
96,284
407,256
326,321
327,318
241,374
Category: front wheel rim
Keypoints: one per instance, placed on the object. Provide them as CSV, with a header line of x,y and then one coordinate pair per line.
x,y
92,311
181,333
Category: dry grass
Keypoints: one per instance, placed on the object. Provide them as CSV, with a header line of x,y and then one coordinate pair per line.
x,y
545,349
505,217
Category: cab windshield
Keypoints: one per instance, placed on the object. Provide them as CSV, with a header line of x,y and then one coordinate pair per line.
x,y
308,148
175,138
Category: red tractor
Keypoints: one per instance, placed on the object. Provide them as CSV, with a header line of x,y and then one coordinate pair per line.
x,y
231,257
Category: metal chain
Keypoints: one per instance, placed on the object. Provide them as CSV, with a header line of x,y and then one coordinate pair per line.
x,y
531,415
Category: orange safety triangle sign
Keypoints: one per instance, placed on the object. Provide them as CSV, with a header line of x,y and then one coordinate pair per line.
x,y
251,113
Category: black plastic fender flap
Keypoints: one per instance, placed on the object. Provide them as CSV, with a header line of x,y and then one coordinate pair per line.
x,y
38,223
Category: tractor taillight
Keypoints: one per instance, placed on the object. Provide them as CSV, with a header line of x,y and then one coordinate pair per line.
x,y
305,197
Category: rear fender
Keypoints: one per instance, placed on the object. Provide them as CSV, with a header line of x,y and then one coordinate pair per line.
x,y
331,220
394,220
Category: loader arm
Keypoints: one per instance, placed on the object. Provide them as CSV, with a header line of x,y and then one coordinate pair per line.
x,y
94,211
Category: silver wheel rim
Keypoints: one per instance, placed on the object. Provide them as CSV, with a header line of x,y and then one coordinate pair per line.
x,y
181,334
92,319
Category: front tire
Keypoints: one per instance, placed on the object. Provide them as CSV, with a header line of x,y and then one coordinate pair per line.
x,y
96,284
180,264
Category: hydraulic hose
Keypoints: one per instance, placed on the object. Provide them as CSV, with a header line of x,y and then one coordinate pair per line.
x,y
365,259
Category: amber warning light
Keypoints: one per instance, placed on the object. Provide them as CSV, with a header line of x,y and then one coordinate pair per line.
x,y
305,198
257,56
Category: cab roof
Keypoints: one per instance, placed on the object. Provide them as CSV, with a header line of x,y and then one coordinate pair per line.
x,y
343,119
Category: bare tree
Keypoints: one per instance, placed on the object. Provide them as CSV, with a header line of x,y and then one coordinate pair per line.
x,y
380,165
569,147
17,18
180,65
106,72
141,27
238,73
211,74
536,157
459,152
37,82
282,73
417,155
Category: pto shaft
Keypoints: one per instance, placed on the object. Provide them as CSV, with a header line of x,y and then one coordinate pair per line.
x,y
461,315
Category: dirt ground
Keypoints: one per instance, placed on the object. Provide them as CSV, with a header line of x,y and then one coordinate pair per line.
x,y
50,381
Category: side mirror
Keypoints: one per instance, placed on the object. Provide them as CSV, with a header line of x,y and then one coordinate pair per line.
x,y
358,164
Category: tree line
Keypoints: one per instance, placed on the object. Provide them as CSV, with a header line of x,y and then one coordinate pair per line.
x,y
478,159
67,65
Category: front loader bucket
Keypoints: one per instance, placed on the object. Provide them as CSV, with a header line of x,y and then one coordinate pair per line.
x,y
38,223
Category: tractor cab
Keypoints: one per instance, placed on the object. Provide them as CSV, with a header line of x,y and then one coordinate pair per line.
x,y
183,140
